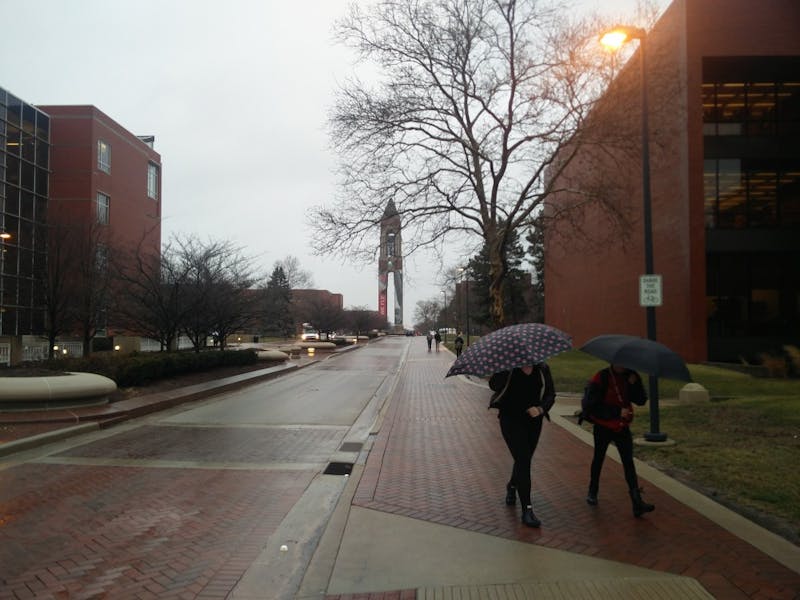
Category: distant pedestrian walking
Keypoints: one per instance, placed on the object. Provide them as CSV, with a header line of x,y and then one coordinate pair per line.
x,y
458,344
430,340
438,339
524,396
610,394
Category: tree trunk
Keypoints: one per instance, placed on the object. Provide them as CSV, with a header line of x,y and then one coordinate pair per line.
x,y
497,274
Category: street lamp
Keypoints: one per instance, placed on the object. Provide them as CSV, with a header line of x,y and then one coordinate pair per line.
x,y
614,39
444,314
465,283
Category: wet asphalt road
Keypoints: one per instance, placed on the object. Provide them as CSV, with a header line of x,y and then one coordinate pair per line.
x,y
183,503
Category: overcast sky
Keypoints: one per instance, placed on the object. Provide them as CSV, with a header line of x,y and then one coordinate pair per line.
x,y
236,93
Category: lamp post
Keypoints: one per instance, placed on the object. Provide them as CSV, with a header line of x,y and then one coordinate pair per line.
x,y
444,314
465,283
615,39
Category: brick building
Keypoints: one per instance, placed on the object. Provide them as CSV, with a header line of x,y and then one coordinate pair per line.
x,y
107,181
724,97
66,167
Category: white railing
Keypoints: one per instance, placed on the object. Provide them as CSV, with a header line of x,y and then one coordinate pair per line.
x,y
73,349
5,354
34,352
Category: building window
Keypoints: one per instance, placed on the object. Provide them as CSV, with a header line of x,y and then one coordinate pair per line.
x,y
751,193
152,181
103,156
103,206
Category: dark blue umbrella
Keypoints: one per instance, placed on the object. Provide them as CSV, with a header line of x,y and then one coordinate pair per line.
x,y
638,354
511,347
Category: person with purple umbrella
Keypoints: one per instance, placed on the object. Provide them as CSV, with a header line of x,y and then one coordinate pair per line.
x,y
523,396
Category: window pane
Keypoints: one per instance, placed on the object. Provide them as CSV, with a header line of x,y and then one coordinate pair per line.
x,y
12,170
41,182
43,126
42,154
710,192
26,206
789,196
103,156
14,111
761,109
103,204
13,140
732,200
152,181
761,188
28,175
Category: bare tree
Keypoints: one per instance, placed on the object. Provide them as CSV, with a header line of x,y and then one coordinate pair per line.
x,y
298,278
426,314
477,98
326,315
362,320
90,280
57,280
218,287
154,304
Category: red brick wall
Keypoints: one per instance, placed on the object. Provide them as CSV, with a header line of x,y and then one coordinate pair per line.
x,y
76,179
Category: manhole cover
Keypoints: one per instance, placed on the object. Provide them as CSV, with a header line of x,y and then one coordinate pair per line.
x,y
338,468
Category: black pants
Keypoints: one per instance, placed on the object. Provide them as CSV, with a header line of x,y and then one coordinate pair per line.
x,y
623,440
521,434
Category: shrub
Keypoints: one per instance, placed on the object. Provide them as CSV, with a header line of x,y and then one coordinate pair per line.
x,y
793,352
142,368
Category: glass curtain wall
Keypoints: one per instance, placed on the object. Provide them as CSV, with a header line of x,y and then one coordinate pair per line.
x,y
24,177
751,129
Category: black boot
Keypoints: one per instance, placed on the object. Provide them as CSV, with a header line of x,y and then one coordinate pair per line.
x,y
528,518
639,506
511,495
591,497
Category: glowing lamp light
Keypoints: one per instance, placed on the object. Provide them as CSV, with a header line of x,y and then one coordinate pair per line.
x,y
614,39
311,352
116,348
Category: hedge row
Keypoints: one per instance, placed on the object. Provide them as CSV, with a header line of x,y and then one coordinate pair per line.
x,y
141,368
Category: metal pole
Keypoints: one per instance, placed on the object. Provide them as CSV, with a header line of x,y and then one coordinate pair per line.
x,y
444,315
467,294
653,435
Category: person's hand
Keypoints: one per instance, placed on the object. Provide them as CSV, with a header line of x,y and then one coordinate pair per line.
x,y
626,413
535,411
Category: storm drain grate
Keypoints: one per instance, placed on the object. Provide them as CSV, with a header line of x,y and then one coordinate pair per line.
x,y
338,468
351,447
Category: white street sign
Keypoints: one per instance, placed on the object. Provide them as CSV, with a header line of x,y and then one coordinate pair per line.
x,y
650,290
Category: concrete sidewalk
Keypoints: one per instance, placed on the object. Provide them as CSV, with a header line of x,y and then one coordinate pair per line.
x,y
423,515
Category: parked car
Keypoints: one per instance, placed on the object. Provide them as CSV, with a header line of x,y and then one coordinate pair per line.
x,y
310,336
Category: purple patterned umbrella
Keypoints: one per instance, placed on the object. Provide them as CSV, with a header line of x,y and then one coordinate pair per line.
x,y
511,347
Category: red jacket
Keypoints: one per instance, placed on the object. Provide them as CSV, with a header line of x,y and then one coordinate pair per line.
x,y
617,394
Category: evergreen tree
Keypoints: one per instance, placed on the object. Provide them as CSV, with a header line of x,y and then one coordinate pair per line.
x,y
278,318
536,252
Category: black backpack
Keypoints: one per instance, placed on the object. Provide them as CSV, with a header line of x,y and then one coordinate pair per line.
x,y
587,402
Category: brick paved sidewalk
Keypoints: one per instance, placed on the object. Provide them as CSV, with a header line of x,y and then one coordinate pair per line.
x,y
440,458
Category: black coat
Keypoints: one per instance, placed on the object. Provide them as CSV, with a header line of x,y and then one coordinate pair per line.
x,y
524,391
